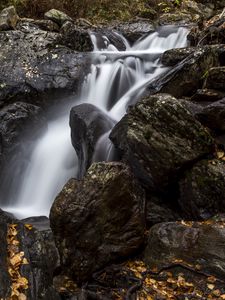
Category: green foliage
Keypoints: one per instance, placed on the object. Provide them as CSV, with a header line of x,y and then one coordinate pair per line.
x,y
94,10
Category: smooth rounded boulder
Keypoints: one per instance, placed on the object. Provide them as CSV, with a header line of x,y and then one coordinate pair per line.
x,y
197,246
159,137
88,123
202,189
98,220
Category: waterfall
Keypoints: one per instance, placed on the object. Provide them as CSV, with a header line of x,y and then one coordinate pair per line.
x,y
116,80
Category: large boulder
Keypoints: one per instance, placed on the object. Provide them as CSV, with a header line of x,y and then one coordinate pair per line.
x,y
173,56
207,95
215,78
57,16
8,18
159,137
36,68
193,245
98,220
88,123
28,259
189,74
202,189
76,37
132,31
213,116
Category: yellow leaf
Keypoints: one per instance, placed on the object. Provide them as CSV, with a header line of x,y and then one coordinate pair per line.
x,y
210,286
220,154
28,226
16,259
23,282
216,293
198,267
25,261
22,297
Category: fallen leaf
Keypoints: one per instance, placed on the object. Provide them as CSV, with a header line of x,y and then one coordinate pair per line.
x,y
22,297
210,286
28,226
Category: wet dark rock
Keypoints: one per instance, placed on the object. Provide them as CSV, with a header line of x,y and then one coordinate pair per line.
x,y
57,16
112,37
88,123
76,37
202,190
215,78
98,220
158,211
207,95
132,31
42,256
192,107
35,68
179,82
8,18
213,116
40,223
191,244
5,281
16,121
174,56
21,124
158,137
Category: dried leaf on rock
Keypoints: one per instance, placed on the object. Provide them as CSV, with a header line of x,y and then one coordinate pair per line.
x,y
28,226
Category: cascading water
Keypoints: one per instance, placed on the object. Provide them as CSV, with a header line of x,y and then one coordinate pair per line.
x,y
117,79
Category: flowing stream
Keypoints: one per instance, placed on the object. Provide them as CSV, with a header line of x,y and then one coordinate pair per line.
x,y
116,80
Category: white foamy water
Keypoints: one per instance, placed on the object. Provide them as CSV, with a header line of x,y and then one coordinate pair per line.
x,y
117,79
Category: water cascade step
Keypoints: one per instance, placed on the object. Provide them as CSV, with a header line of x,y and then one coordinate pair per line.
x,y
116,80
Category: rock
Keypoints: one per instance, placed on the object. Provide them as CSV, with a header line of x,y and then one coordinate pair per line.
x,y
158,137
212,33
193,108
105,37
98,220
179,82
132,31
202,190
207,95
197,9
158,211
213,116
174,56
5,281
88,123
76,37
21,124
35,68
196,245
8,18
178,18
57,16
46,25
40,254
215,79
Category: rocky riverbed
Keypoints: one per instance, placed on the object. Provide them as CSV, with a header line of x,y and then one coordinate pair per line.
x,y
149,225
